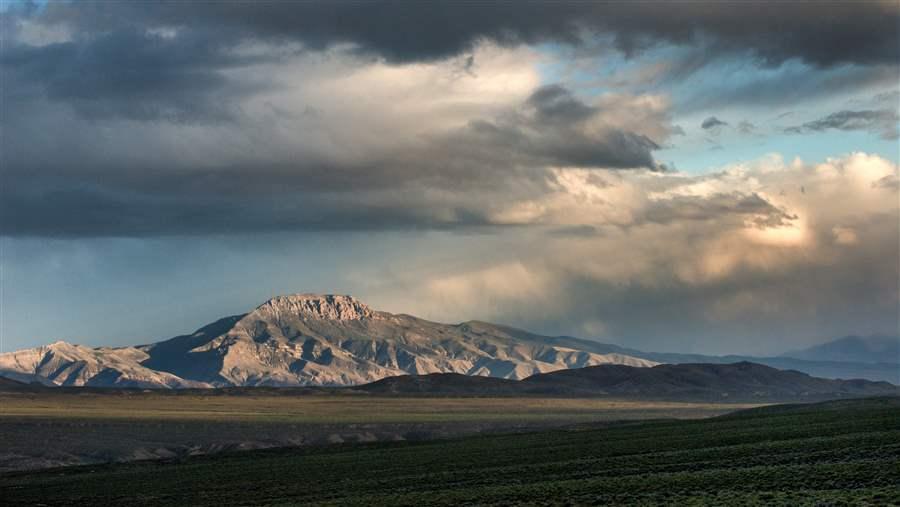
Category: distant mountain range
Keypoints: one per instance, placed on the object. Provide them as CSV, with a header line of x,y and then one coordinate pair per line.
x,y
819,362
860,349
742,381
737,382
329,340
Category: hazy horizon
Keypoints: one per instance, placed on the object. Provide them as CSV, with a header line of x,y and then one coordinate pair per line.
x,y
139,339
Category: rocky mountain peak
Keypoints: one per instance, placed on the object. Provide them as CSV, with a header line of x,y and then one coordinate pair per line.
x,y
316,306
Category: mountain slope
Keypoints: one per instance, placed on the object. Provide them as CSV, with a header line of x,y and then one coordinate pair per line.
x,y
864,349
743,380
887,368
64,364
308,339
738,381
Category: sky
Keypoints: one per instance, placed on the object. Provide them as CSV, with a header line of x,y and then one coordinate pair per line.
x,y
669,176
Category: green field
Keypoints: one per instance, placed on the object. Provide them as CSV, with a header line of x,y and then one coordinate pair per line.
x,y
54,428
343,409
838,453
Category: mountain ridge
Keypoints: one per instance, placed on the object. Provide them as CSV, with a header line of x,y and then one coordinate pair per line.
x,y
887,369
742,381
314,340
309,339
863,349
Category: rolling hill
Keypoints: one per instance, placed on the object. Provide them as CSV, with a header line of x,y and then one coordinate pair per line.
x,y
742,381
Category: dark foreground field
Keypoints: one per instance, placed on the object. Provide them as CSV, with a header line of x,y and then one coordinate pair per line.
x,y
70,427
837,453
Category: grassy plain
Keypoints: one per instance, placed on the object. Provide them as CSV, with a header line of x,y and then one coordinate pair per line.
x,y
838,453
342,409
53,428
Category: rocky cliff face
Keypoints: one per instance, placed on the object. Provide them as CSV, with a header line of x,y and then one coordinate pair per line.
x,y
313,307
310,339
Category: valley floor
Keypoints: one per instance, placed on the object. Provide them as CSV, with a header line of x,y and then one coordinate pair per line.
x,y
51,428
835,453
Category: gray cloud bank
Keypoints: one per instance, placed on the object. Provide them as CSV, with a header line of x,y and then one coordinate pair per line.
x,y
171,60
882,122
146,118
76,178
404,31
122,121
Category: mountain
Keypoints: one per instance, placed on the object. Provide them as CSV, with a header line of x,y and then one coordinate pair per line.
x,y
863,349
887,369
309,339
62,363
742,381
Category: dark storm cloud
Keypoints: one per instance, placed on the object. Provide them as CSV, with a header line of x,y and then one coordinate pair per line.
x,y
882,122
449,180
129,73
553,128
102,213
826,34
712,122
153,202
531,141
114,65
556,103
171,62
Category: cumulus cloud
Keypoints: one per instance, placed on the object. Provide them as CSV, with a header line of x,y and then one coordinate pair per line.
x,y
553,127
330,144
703,260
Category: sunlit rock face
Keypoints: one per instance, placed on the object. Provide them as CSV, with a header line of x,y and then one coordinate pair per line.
x,y
66,364
314,306
311,339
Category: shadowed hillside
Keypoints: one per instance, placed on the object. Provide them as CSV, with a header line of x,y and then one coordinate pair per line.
x,y
738,381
